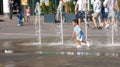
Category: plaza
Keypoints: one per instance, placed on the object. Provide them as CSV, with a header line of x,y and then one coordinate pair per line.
x,y
50,44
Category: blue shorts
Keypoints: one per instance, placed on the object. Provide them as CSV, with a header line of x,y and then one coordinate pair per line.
x,y
81,14
80,37
105,15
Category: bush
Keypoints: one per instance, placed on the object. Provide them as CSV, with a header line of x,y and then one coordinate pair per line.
x,y
44,8
72,6
119,4
51,7
67,10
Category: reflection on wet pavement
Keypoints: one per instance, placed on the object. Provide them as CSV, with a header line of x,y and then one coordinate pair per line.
x,y
21,53
37,60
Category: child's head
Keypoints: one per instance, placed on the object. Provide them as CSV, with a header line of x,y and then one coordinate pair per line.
x,y
74,22
28,7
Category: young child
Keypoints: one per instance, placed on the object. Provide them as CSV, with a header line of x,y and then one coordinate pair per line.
x,y
27,12
78,33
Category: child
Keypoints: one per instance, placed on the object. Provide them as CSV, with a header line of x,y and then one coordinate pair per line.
x,y
27,12
78,33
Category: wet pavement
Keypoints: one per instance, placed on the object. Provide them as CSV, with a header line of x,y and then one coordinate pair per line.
x,y
19,47
37,60
25,53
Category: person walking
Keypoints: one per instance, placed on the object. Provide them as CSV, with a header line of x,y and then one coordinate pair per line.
x,y
19,16
113,14
106,5
97,13
80,9
11,8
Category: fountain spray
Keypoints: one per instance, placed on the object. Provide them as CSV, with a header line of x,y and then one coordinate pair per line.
x,y
37,22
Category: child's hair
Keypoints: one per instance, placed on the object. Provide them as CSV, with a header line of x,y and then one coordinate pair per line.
x,y
75,21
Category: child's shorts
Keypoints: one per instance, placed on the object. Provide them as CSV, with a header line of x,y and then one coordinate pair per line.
x,y
80,37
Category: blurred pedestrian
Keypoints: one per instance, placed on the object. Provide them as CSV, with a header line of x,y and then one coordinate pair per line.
x,y
106,5
27,12
11,8
80,9
97,13
113,12
19,16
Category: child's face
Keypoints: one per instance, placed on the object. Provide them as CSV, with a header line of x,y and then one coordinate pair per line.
x,y
73,23
28,7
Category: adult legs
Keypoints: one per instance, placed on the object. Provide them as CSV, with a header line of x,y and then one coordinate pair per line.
x,y
94,19
11,13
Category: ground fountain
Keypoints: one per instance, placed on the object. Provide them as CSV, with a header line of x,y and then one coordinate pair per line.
x,y
45,33
37,22
59,34
110,33
113,31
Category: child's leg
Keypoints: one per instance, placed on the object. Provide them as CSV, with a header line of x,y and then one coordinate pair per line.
x,y
27,19
84,40
79,42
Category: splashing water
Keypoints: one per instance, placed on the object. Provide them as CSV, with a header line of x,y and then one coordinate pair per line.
x,y
113,22
37,22
59,14
59,29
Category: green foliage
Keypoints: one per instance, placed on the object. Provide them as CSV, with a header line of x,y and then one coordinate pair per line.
x,y
72,6
51,7
48,9
119,4
44,8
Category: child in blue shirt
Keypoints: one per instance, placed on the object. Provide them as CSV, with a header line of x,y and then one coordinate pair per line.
x,y
78,33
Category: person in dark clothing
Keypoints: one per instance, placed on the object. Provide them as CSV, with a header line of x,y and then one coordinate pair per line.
x,y
11,7
19,15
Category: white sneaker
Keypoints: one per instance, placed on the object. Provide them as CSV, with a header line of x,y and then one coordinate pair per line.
x,y
101,24
106,26
18,25
88,44
115,25
78,46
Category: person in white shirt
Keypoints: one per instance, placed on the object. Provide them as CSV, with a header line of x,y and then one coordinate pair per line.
x,y
80,9
113,12
97,13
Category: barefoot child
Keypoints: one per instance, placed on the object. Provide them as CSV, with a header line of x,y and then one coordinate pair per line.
x,y
78,33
